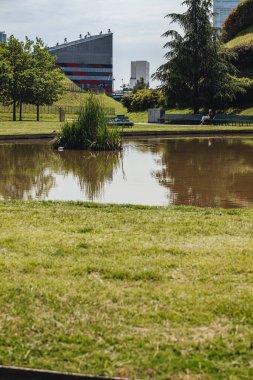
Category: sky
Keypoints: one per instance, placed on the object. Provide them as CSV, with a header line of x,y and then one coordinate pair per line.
x,y
137,26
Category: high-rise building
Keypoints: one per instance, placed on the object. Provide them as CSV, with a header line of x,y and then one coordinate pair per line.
x,y
88,62
3,37
139,69
221,9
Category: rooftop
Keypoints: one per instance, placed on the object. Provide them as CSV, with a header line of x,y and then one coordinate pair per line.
x,y
87,38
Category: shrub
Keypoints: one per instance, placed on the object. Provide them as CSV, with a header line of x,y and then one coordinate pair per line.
x,y
239,19
244,54
244,98
143,100
90,130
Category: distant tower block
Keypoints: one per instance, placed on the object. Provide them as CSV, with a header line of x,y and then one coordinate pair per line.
x,y
139,69
221,9
3,37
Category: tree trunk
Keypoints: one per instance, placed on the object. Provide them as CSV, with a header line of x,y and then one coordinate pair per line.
x,y
38,112
14,111
196,109
20,111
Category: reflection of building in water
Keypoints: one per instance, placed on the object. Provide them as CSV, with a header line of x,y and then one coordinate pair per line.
x,y
221,9
87,61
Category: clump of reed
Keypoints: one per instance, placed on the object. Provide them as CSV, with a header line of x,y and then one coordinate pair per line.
x,y
90,130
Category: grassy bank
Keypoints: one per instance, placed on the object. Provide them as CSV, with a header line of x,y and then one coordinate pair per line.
x,y
32,127
28,127
129,291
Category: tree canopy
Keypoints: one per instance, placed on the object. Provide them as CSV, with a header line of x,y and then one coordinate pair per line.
x,y
28,74
198,72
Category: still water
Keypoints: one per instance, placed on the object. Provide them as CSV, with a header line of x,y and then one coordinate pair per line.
x,y
213,172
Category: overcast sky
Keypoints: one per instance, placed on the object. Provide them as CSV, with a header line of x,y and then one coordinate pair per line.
x,y
137,25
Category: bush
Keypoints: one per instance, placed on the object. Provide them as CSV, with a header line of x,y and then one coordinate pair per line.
x,y
244,54
143,100
245,98
239,19
90,130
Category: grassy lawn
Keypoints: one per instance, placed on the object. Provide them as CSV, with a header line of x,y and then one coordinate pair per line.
x,y
28,127
33,127
243,38
176,128
142,292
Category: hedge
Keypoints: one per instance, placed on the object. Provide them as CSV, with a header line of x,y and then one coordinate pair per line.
x,y
244,56
239,19
143,100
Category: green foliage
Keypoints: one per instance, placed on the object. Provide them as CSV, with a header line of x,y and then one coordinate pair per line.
x,y
28,74
245,98
16,71
48,81
140,85
143,99
239,19
198,73
90,130
244,38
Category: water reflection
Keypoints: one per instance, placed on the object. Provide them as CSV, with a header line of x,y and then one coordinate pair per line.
x,y
207,172
92,169
203,172
29,171
23,173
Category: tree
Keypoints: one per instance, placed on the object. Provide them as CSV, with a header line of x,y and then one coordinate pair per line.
x,y
198,73
140,85
47,85
15,72
28,74
142,100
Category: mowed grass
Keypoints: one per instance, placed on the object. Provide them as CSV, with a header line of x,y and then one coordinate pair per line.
x,y
243,38
43,127
142,292
28,127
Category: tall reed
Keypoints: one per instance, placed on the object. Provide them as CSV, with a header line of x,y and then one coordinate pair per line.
x,y
90,130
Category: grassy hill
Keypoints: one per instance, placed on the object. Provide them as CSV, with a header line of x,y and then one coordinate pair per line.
x,y
75,98
242,39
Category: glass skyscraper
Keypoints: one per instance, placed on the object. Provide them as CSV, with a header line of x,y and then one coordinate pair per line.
x,y
87,61
221,9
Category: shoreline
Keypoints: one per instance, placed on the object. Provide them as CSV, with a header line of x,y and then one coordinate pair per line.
x,y
185,133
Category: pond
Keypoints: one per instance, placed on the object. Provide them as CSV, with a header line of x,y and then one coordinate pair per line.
x,y
215,172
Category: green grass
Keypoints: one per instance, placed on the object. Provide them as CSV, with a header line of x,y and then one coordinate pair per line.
x,y
30,127
243,38
138,117
179,128
125,290
77,98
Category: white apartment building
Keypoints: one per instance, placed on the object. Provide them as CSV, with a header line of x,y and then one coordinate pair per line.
x,y
221,9
139,69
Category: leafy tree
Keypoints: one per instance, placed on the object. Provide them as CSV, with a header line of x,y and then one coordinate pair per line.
x,y
15,72
143,100
140,85
28,74
47,85
198,73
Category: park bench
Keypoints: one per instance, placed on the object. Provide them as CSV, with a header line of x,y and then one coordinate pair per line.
x,y
181,119
231,120
219,119
120,120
